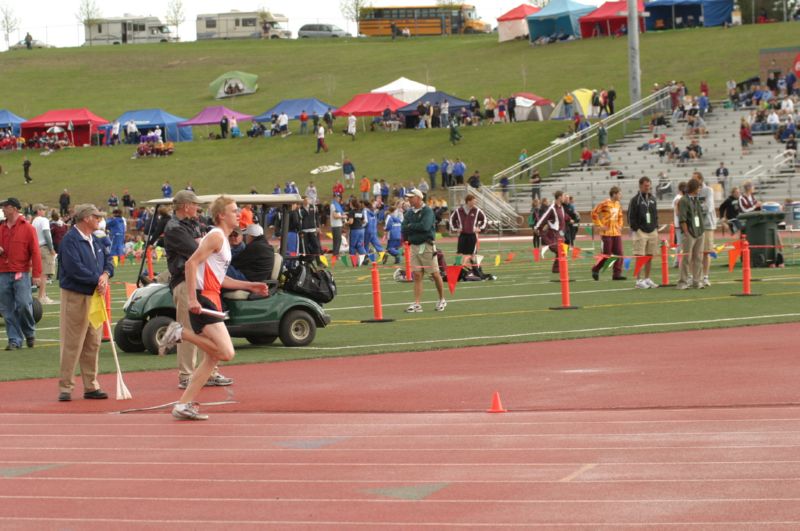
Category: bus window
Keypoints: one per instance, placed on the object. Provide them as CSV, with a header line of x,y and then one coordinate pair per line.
x,y
249,22
211,23
378,13
236,22
99,28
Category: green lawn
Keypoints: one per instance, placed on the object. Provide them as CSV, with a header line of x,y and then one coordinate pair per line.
x,y
113,79
514,308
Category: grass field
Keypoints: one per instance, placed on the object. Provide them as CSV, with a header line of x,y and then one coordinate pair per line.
x,y
112,79
514,308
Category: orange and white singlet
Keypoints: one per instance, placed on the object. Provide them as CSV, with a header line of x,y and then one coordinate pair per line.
x,y
211,273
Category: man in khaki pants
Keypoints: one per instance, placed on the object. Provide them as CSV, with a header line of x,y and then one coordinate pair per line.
x,y
85,268
690,216
181,237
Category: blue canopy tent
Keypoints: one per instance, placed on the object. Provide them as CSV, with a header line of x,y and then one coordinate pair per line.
x,y
148,119
410,111
9,119
559,16
671,14
294,107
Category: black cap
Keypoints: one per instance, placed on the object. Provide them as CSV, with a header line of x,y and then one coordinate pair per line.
x,y
13,201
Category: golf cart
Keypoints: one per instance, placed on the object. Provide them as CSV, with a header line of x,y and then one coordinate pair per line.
x,y
260,320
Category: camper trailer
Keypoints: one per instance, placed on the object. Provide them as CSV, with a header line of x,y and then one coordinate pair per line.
x,y
128,29
242,25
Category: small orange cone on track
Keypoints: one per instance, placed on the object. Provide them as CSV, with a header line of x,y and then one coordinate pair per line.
x,y
497,406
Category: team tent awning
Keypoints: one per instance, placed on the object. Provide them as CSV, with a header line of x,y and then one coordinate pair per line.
x,y
79,124
532,107
404,89
9,119
670,14
213,115
608,19
434,98
514,24
148,119
232,84
559,16
582,105
294,107
369,104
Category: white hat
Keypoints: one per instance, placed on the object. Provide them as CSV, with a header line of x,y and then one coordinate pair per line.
x,y
415,192
254,230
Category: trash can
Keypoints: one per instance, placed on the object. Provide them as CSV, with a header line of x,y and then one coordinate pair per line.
x,y
761,228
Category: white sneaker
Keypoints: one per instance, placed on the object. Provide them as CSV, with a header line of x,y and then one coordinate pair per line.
x,y
641,284
441,305
705,283
650,283
414,308
680,285
46,300
188,412
172,336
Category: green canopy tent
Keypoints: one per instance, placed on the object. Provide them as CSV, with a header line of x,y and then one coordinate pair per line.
x,y
231,84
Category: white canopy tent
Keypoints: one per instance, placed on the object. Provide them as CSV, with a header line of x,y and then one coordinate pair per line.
x,y
405,89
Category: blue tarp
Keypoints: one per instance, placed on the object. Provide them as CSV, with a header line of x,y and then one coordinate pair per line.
x,y
688,13
9,119
456,104
294,107
559,16
147,120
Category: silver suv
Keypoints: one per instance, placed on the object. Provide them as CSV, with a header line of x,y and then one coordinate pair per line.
x,y
321,30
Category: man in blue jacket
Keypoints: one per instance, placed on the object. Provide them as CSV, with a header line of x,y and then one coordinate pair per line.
x,y
85,267
432,168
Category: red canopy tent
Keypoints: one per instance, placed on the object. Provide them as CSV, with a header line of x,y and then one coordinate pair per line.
x,y
608,19
369,104
79,124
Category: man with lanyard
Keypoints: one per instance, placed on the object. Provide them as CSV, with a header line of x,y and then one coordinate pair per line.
x,y
309,226
205,278
690,217
467,220
551,226
181,237
419,229
46,249
19,254
705,198
85,267
608,216
643,220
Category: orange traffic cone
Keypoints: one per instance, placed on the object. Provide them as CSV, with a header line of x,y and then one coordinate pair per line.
x,y
497,406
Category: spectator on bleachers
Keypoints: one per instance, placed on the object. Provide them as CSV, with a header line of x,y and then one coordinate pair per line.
x,y
747,200
791,147
745,136
654,143
722,176
773,121
586,158
695,126
602,157
692,152
663,186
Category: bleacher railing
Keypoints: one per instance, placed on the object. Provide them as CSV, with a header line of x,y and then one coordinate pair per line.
x,y
499,213
656,102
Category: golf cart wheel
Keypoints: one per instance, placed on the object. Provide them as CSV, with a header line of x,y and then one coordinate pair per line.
x,y
125,341
297,329
261,340
38,310
153,331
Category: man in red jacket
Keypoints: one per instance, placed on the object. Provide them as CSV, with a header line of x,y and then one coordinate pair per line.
x,y
19,254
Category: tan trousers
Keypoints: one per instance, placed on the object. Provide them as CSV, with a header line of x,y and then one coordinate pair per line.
x,y
189,356
79,342
692,259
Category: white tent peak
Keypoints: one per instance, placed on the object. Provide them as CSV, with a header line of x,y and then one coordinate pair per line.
x,y
405,89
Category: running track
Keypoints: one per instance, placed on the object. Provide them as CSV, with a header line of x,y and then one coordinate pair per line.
x,y
679,430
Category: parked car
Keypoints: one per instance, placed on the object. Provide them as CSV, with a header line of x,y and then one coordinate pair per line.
x,y
261,320
321,30
34,44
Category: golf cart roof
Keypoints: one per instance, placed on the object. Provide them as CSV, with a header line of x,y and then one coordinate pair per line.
x,y
241,199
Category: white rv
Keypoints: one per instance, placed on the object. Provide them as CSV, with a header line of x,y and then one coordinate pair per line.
x,y
242,25
127,30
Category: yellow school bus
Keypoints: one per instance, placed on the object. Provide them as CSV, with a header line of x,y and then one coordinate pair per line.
x,y
421,20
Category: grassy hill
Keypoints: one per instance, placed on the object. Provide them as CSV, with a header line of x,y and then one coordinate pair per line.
x,y
110,80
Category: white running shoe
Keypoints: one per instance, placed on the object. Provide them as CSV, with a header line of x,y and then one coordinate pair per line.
x,y
172,336
414,308
706,283
681,285
441,305
650,283
188,412
46,300
641,284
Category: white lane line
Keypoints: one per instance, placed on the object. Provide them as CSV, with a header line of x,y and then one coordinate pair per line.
x,y
658,326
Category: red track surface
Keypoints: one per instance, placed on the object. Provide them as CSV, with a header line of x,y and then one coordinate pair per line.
x,y
711,439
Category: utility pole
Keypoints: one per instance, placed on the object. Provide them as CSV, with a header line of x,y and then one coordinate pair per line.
x,y
634,71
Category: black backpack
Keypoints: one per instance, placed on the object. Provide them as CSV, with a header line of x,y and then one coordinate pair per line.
x,y
309,281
